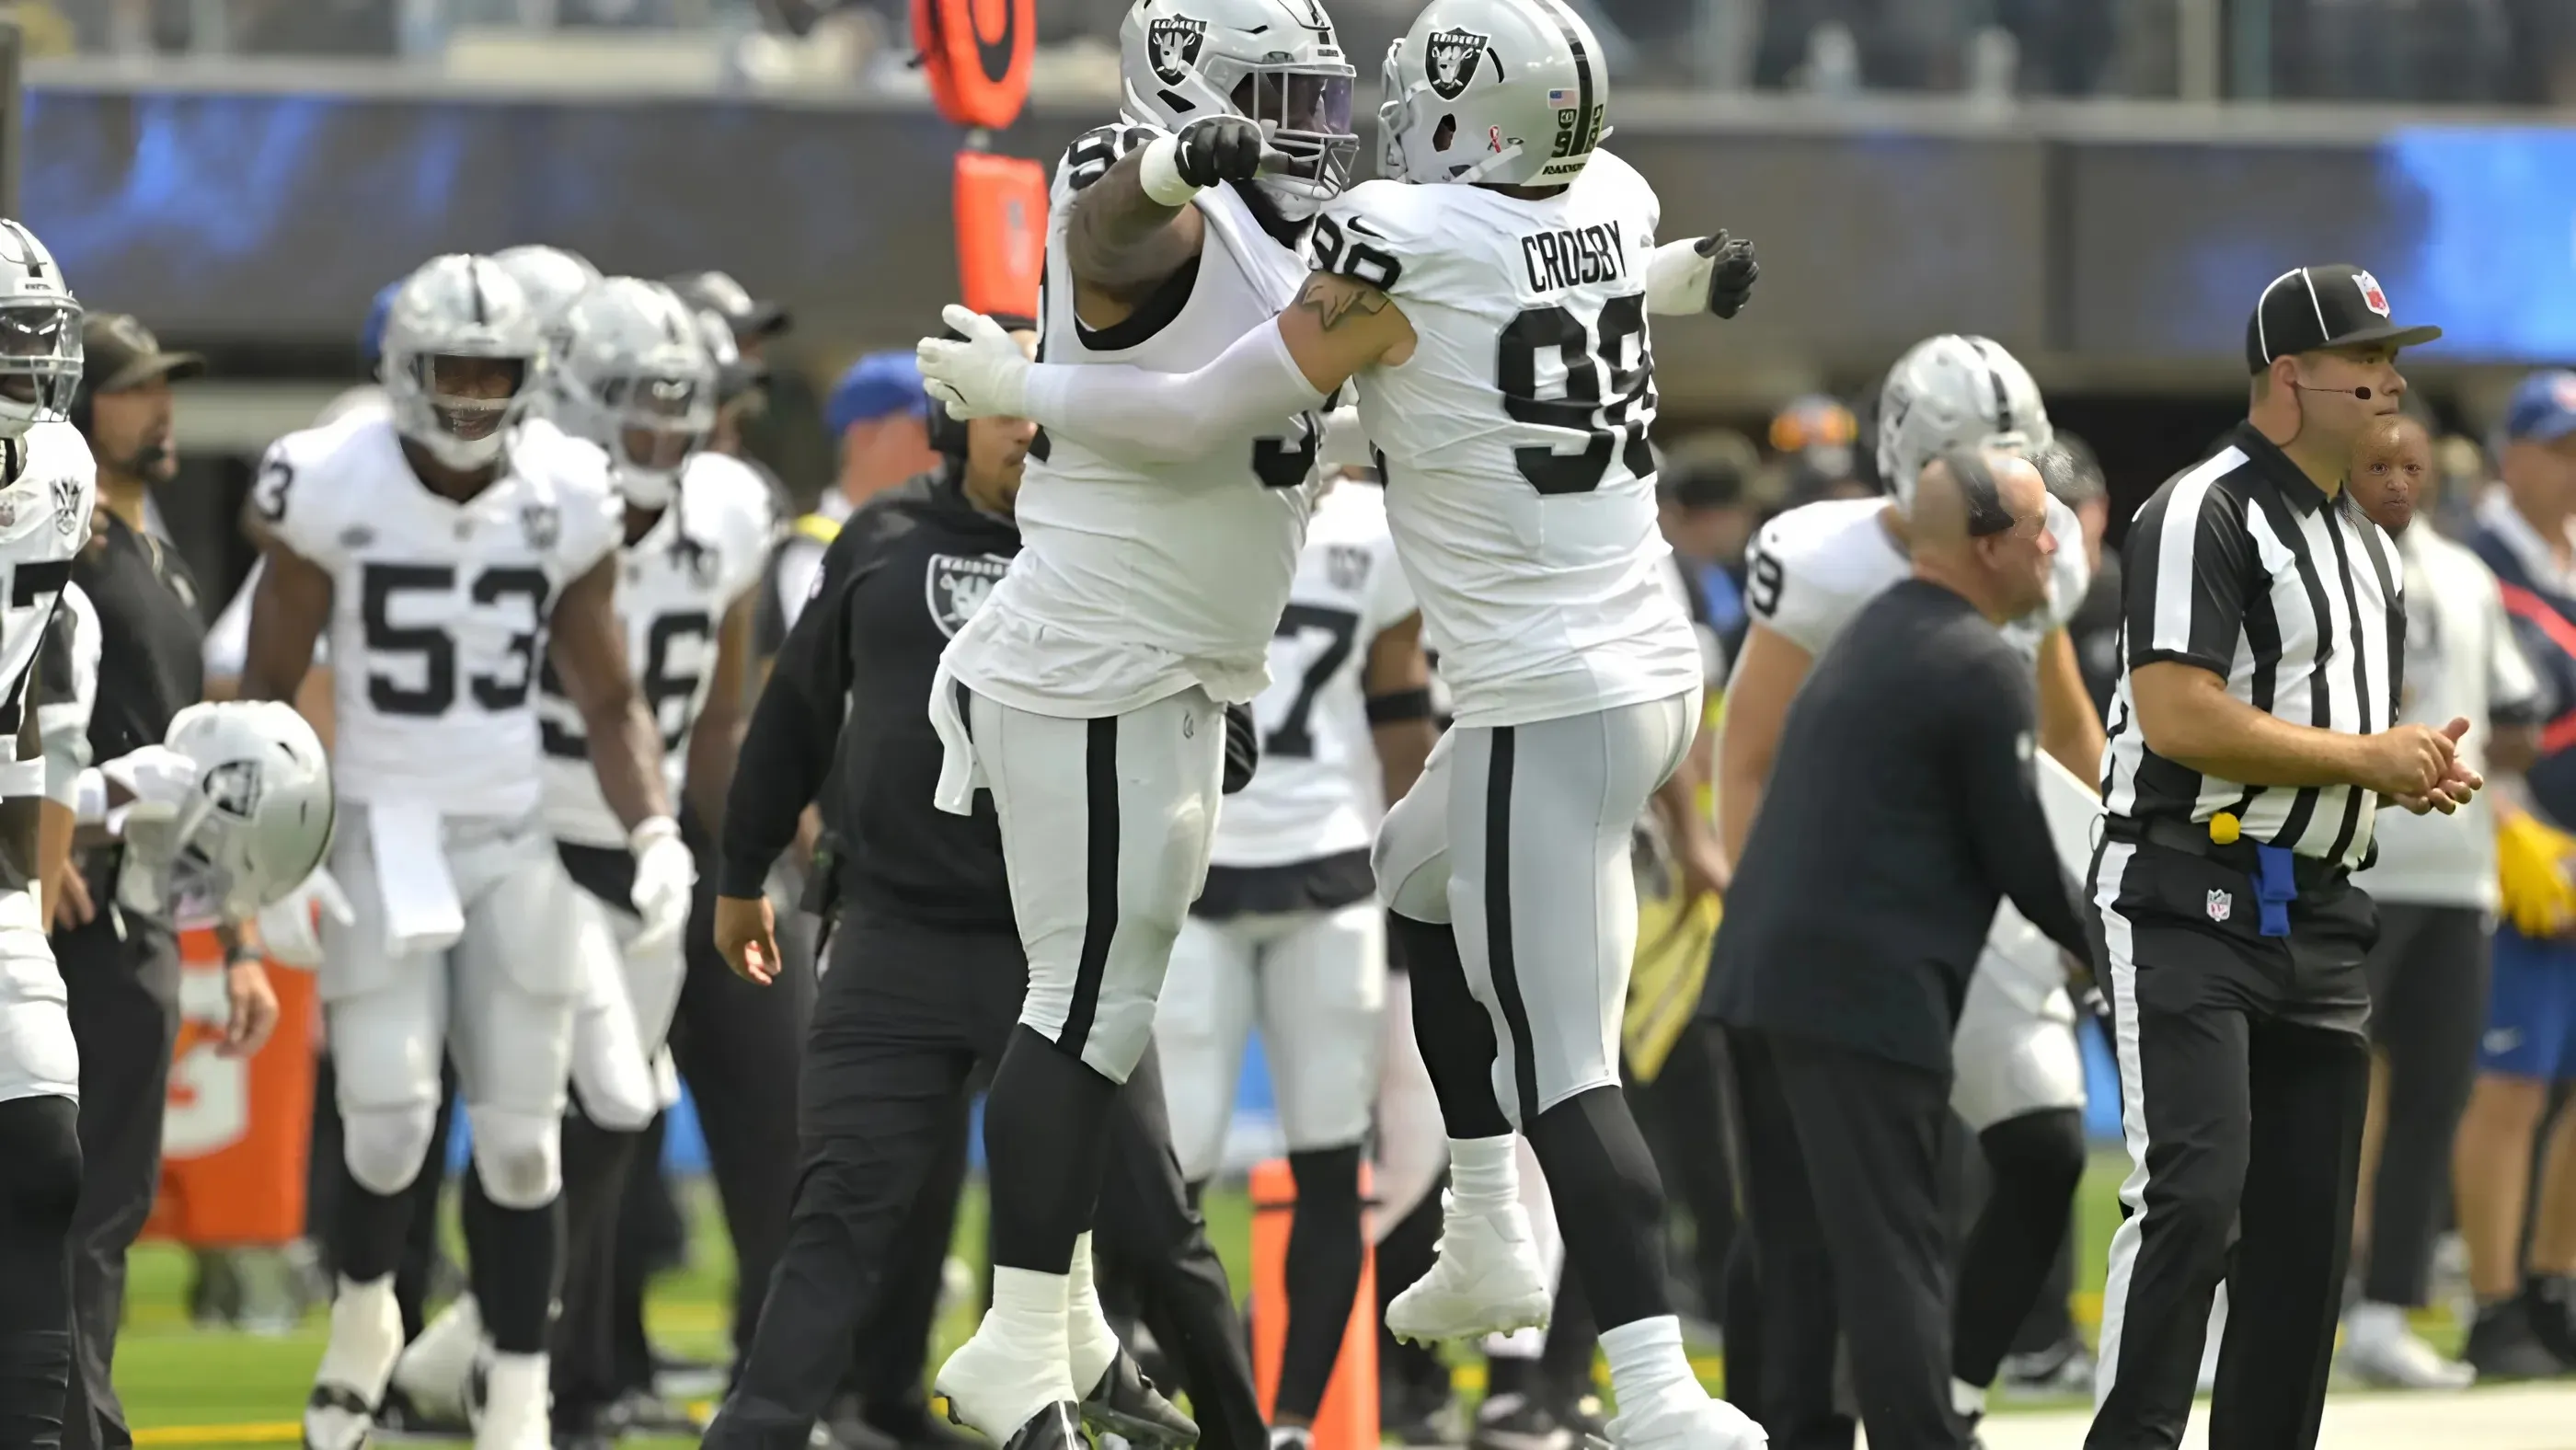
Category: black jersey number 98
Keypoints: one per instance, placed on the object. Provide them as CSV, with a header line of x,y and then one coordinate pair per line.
x,y
1614,424
1348,256
1093,152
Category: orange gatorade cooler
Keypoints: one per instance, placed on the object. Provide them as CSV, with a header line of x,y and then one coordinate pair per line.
x,y
233,1147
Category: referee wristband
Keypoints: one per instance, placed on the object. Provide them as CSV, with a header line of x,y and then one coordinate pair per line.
x,y
1158,173
1399,706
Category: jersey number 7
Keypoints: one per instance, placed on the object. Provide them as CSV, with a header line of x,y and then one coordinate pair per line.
x,y
1615,426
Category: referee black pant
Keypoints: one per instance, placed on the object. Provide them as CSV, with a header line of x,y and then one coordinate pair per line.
x,y
1842,1185
2244,1076
905,1016
123,995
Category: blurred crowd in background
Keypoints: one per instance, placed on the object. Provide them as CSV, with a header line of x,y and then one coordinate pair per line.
x,y
2449,52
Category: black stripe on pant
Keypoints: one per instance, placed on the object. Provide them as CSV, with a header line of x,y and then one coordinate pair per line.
x,y
1100,878
1500,959
2244,1076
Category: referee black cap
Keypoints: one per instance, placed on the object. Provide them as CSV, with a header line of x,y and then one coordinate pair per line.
x,y
2309,309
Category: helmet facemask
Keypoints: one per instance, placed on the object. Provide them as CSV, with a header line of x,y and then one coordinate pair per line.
x,y
654,424
463,404
1305,111
40,362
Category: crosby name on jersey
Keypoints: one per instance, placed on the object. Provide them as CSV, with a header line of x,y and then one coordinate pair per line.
x,y
673,588
44,522
1318,791
438,608
1518,479
1145,578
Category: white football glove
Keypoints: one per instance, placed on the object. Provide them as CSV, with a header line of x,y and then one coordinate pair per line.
x,y
160,780
664,872
986,376
287,930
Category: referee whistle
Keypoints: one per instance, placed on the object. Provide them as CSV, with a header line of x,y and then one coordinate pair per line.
x,y
2223,828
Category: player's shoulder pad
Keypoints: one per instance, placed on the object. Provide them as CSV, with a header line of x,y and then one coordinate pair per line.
x,y
572,475
1383,233
1813,567
1092,153
310,480
733,501
60,479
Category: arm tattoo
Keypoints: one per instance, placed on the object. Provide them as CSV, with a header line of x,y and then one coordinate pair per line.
x,y
1118,238
1333,299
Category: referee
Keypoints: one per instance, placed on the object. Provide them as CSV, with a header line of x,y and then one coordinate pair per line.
x,y
2253,735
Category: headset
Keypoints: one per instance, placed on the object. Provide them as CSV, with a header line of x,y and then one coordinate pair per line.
x,y
948,435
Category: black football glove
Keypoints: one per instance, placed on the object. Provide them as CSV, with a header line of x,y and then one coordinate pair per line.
x,y
1242,748
1223,148
1730,283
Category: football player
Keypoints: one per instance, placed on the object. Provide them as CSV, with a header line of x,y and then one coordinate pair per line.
x,y
2020,1084
1288,932
47,485
444,547
1493,313
628,371
1092,692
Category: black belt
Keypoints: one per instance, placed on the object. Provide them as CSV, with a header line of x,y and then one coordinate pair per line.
x,y
2191,838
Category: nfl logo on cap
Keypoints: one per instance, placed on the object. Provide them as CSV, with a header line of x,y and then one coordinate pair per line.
x,y
2371,296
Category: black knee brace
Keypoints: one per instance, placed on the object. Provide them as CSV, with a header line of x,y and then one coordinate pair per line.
x,y
1609,1201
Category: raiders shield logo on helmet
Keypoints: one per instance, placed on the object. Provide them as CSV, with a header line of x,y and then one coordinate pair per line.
x,y
956,585
234,788
542,523
1452,59
1175,40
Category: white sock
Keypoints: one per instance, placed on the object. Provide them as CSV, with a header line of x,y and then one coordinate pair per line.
x,y
2375,1322
366,1338
1484,1177
1966,1400
1017,1364
514,1398
1091,1345
1646,1359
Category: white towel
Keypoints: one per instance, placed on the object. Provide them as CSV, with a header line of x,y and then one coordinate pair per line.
x,y
960,773
422,913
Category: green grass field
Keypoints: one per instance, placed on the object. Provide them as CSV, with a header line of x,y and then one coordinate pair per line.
x,y
188,1387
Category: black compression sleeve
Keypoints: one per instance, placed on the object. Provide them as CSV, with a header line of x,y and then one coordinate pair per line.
x,y
787,749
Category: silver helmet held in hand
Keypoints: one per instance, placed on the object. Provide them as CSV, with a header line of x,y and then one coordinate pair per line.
x,y
463,349
631,373
257,825
1276,63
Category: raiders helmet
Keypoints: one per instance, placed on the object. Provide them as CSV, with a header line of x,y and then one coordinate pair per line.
x,y
1497,92
40,334
1955,392
1275,62
457,311
256,826
631,373
551,276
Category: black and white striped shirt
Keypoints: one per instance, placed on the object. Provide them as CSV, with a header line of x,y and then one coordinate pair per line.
x,y
2243,567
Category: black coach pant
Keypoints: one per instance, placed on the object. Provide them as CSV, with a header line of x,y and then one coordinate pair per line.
x,y
1842,1185
2244,1075
905,1015
123,997
2428,1005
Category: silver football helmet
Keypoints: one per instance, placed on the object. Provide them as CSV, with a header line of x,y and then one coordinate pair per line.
x,y
256,826
40,334
463,349
1955,392
631,373
1498,92
551,276
1274,62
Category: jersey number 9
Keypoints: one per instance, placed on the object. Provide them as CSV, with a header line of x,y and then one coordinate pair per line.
x,y
1616,426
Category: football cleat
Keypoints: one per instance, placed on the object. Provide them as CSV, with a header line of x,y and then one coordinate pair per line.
x,y
1127,1405
1486,1280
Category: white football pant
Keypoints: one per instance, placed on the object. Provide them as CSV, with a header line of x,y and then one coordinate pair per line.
x,y
37,1056
2015,1044
627,1003
1315,982
1519,836
499,1000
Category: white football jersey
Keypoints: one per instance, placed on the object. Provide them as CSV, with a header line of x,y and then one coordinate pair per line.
x,y
1811,569
673,588
1147,578
1513,439
44,522
1318,792
438,608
